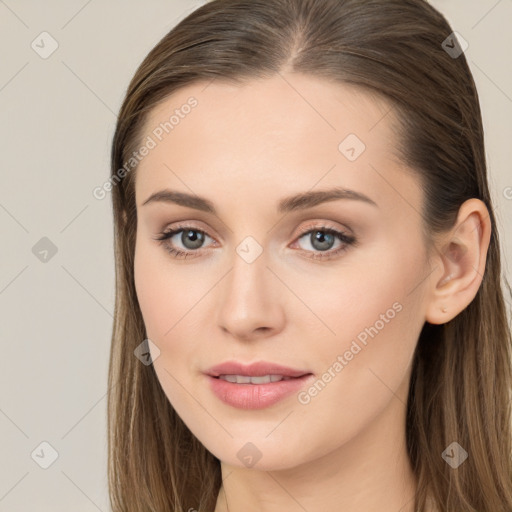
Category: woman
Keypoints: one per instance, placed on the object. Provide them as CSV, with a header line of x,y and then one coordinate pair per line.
x,y
309,308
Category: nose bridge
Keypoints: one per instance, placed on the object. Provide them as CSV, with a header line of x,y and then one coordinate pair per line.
x,y
250,296
248,277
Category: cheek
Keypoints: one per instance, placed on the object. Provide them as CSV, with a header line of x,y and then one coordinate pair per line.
x,y
353,296
164,303
363,366
156,289
169,300
371,317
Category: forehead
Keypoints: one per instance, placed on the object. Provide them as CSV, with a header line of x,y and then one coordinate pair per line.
x,y
274,137
291,106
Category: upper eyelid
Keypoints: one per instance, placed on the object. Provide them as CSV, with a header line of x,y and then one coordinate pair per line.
x,y
313,224
321,226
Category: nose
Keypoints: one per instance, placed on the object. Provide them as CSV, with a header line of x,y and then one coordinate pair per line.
x,y
251,300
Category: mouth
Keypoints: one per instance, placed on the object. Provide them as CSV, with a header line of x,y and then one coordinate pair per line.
x,y
240,371
256,392
248,379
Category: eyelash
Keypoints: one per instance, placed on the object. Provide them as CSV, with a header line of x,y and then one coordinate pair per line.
x,y
347,241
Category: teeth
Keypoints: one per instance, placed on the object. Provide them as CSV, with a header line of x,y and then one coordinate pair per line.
x,y
245,379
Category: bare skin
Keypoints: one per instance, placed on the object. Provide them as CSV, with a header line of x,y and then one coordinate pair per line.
x,y
245,148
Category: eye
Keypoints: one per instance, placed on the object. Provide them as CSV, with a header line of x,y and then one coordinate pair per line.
x,y
191,238
322,238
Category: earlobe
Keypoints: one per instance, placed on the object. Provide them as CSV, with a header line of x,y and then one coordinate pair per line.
x,y
461,262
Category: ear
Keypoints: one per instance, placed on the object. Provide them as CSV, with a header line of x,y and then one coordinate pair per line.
x,y
460,263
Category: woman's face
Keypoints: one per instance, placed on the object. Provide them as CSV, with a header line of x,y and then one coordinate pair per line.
x,y
262,281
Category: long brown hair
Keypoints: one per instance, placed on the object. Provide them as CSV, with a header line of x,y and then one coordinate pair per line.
x,y
461,382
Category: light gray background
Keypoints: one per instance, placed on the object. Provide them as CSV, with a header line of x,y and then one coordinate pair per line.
x,y
57,121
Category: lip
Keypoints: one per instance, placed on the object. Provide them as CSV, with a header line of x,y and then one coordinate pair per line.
x,y
254,370
255,396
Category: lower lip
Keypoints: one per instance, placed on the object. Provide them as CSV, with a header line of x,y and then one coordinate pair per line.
x,y
255,396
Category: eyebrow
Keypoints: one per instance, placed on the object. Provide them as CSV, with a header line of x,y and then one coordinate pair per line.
x,y
301,201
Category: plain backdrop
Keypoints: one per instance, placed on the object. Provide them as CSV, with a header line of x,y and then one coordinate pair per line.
x,y
57,265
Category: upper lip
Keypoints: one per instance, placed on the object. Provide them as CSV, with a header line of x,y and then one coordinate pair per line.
x,y
254,370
